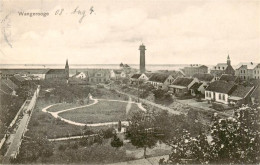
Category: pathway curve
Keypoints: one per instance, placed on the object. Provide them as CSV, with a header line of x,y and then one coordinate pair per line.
x,y
56,114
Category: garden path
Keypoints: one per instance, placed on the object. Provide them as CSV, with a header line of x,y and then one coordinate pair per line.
x,y
56,114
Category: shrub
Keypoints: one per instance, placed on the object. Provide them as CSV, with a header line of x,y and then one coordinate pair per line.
x,y
108,133
62,147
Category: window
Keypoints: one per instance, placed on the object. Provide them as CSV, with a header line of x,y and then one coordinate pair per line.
x,y
244,71
223,68
241,71
206,94
219,96
99,74
223,96
244,77
209,94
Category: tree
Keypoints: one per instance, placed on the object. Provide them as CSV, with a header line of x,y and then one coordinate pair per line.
x,y
141,131
159,93
119,126
234,140
116,142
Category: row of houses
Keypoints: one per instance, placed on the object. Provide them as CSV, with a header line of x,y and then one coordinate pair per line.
x,y
245,71
225,90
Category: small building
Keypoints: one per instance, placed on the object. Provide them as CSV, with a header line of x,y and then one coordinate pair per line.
x,y
160,81
241,95
195,69
117,74
98,75
80,75
219,91
229,78
181,85
138,77
205,79
196,88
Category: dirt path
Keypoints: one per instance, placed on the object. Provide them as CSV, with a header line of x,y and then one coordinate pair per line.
x,y
56,114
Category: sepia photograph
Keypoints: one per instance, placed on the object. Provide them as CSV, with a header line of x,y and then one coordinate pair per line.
x,y
141,82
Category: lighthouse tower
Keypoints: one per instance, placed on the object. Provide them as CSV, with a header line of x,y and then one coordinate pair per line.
x,y
142,58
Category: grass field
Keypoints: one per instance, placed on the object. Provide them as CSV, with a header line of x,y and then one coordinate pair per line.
x,y
103,111
63,106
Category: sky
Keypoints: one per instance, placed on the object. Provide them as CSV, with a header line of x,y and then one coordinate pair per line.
x,y
173,31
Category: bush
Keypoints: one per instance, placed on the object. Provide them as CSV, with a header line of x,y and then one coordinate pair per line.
x,y
108,133
74,146
116,142
62,147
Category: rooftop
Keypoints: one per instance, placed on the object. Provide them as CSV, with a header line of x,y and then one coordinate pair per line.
x,y
221,87
250,65
203,77
241,91
136,76
159,77
196,86
56,71
182,81
228,77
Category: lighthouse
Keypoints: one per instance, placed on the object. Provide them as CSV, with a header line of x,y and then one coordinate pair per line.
x,y
142,58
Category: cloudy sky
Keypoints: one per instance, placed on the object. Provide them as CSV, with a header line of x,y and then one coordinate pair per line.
x,y
174,31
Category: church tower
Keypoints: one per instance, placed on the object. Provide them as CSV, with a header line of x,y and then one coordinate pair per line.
x,y
67,70
228,60
142,58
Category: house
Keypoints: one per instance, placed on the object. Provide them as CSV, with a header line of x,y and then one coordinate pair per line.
x,y
117,74
222,68
229,78
219,91
196,88
241,95
203,78
138,77
247,71
80,75
98,75
160,81
181,85
195,69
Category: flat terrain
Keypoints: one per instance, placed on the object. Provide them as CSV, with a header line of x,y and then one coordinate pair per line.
x,y
63,106
103,111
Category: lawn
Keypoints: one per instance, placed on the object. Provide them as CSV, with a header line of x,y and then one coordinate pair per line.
x,y
103,111
63,106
